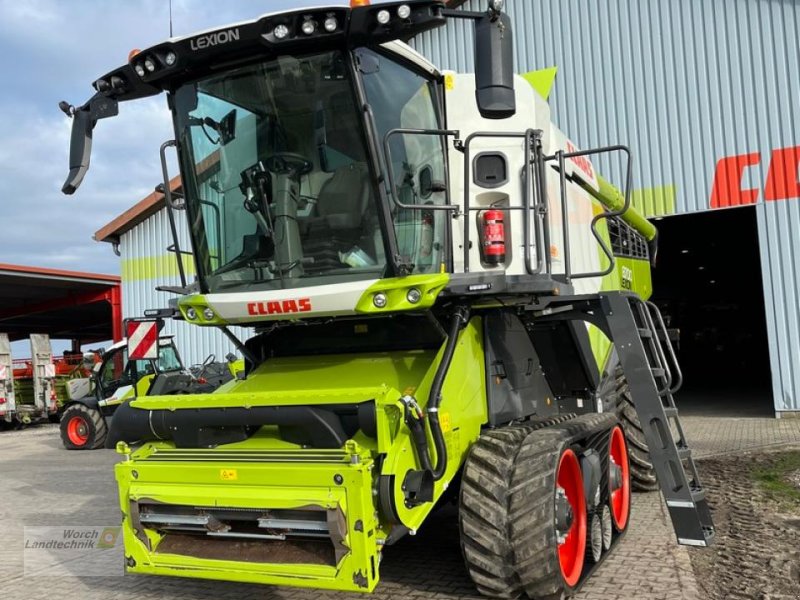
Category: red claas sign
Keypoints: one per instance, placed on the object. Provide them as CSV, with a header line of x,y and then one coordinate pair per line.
x,y
783,179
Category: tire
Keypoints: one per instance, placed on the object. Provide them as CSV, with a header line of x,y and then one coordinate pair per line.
x,y
83,428
483,515
539,558
507,513
643,475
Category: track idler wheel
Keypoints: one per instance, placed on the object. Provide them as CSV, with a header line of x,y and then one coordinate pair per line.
x,y
619,480
571,531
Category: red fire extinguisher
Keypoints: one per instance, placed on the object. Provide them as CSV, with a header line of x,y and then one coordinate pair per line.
x,y
494,236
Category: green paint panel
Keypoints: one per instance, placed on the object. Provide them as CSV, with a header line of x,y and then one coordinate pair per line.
x,y
396,290
542,80
656,201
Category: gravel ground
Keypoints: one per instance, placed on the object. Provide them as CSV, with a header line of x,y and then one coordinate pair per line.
x,y
757,549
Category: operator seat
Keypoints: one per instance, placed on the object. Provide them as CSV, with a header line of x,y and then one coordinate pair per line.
x,y
342,218
343,199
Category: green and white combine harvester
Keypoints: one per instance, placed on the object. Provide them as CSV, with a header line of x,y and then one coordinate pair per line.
x,y
446,301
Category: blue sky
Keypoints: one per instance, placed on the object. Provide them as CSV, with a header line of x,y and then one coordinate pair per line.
x,y
51,50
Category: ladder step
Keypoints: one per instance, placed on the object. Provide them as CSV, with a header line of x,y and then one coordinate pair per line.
x,y
684,452
658,372
670,413
645,333
698,494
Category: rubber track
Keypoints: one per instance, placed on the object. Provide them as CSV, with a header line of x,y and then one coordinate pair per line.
x,y
531,506
507,509
643,475
97,437
483,502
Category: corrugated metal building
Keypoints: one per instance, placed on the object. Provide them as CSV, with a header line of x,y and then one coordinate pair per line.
x,y
705,94
142,235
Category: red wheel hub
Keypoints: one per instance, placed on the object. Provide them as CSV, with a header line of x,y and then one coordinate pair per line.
x,y
78,431
572,545
619,478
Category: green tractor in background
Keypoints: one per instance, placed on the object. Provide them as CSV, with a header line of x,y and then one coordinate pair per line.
x,y
115,378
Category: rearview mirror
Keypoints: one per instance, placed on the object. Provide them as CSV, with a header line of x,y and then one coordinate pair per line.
x,y
80,147
80,150
494,66
227,128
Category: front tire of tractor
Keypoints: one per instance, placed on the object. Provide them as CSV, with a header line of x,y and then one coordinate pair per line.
x,y
512,482
83,428
643,475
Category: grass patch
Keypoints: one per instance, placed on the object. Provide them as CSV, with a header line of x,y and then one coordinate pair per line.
x,y
774,477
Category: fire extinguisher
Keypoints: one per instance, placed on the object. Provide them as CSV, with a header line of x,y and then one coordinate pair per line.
x,y
493,234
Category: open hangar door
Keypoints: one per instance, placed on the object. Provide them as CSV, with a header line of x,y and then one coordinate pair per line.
x,y
708,284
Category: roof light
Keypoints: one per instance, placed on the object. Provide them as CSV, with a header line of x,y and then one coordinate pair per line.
x,y
171,58
330,24
404,11
133,53
149,64
280,31
357,3
139,68
383,16
308,27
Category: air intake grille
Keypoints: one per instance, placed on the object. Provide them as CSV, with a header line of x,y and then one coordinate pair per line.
x,y
625,241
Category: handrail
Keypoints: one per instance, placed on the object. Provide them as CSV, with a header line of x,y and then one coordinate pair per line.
x,y
387,152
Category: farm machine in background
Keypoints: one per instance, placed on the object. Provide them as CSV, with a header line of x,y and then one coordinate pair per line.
x,y
29,388
444,296
115,378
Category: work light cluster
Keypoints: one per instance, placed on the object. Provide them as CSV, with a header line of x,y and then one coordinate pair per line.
x,y
384,16
149,64
309,26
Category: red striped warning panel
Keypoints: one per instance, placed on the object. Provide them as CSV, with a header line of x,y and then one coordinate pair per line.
x,y
142,340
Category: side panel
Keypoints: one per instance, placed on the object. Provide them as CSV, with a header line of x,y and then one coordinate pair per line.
x,y
515,382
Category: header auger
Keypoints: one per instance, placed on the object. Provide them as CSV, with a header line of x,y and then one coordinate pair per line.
x,y
442,292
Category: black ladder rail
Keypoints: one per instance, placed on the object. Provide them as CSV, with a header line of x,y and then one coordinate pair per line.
x,y
675,468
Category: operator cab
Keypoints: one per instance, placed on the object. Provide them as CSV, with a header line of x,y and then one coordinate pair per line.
x,y
312,145
278,179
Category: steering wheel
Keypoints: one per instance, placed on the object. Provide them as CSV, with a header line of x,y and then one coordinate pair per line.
x,y
288,163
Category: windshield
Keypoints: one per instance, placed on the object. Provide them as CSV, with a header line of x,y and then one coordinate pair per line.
x,y
168,359
403,98
277,187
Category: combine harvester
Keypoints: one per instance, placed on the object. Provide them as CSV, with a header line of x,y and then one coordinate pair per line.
x,y
418,255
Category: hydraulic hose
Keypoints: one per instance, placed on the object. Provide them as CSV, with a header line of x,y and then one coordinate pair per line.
x,y
460,318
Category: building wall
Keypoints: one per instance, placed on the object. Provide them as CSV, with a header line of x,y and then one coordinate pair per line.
x,y
145,265
705,92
